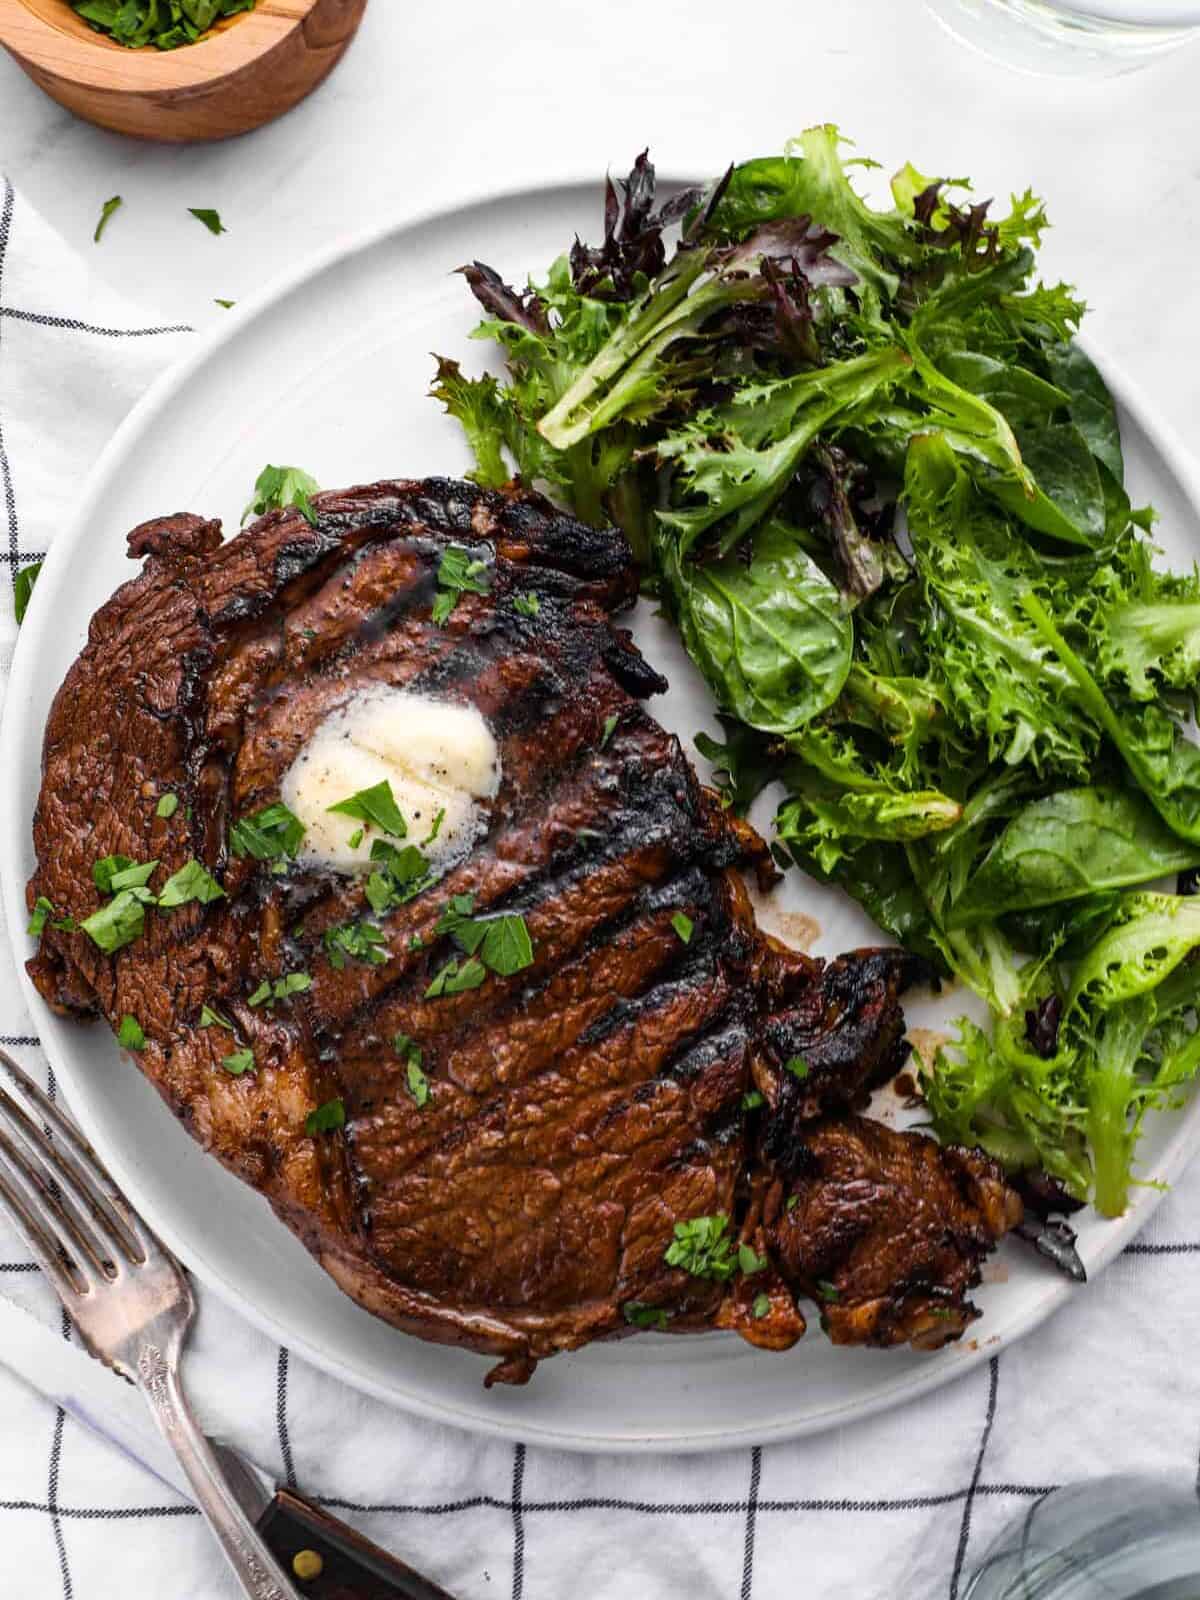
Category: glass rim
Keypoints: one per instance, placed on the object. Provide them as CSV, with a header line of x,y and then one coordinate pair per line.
x,y
1149,13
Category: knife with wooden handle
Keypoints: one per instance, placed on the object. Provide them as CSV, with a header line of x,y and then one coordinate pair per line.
x,y
324,1558
305,1539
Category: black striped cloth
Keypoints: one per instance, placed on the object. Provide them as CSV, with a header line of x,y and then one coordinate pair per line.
x,y
901,1505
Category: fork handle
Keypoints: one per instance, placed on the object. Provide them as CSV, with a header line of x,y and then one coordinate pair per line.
x,y
244,1548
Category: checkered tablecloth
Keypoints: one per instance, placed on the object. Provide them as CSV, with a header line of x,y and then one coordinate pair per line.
x,y
901,1506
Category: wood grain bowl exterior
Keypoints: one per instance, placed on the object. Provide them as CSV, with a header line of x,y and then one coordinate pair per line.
x,y
251,70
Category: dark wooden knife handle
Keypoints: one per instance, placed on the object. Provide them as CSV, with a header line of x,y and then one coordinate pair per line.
x,y
352,1567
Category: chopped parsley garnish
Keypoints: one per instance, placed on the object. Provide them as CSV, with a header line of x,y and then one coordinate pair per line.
x,y
377,805
211,219
134,23
752,1100
276,488
453,979
23,590
38,917
827,1290
193,881
405,865
118,922
703,1248
111,874
268,835
610,727
402,875
418,1083
528,605
793,1201
379,892
436,828
362,941
240,1061
684,926
410,1053
458,909
762,1304
356,838
110,206
459,572
326,1118
797,1066
506,946
130,1033
167,806
416,942
228,304
213,1019
640,1315
271,991
502,943
749,1260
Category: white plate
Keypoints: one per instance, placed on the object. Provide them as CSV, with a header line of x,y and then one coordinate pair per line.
x,y
330,371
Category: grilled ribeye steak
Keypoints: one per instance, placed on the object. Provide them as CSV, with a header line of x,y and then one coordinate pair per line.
x,y
661,1060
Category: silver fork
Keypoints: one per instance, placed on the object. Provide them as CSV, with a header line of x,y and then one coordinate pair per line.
x,y
125,1293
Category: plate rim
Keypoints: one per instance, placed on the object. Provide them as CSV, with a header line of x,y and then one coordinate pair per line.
x,y
953,1363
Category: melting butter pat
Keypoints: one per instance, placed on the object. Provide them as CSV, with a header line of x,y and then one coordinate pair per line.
x,y
439,758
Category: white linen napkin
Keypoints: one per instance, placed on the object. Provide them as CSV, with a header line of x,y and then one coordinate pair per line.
x,y
899,1506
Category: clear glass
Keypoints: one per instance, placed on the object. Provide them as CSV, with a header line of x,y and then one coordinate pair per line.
x,y
1121,1538
1072,37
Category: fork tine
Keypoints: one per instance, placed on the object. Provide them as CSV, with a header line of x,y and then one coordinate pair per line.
x,y
76,1162
64,1170
88,1255
44,1247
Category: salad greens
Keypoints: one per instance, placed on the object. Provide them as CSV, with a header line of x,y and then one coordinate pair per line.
x,y
879,488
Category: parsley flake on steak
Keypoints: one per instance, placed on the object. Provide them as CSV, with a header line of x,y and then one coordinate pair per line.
x,y
459,572
362,941
268,835
326,1118
193,881
704,1248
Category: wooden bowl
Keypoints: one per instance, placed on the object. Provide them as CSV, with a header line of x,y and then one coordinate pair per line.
x,y
251,69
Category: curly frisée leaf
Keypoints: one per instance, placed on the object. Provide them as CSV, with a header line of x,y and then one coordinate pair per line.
x,y
1126,1040
1150,936
732,464
480,408
811,178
